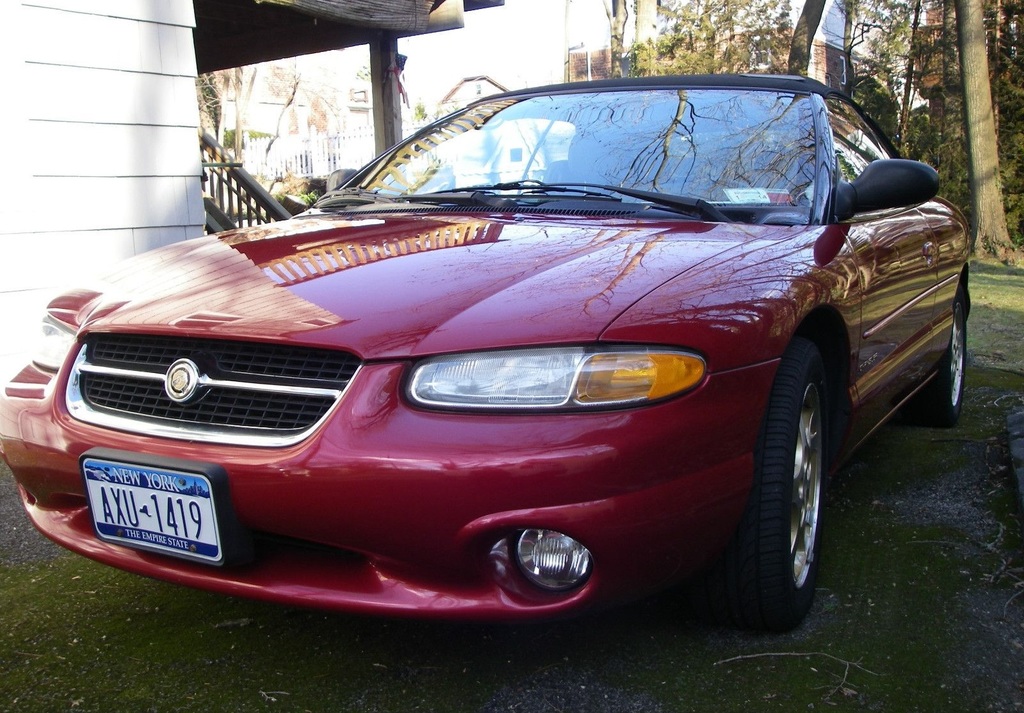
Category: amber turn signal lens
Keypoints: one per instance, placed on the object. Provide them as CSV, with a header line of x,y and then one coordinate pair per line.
x,y
625,377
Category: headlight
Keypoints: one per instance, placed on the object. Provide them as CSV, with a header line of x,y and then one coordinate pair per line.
x,y
555,378
56,341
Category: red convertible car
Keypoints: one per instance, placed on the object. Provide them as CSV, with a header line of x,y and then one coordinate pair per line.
x,y
557,351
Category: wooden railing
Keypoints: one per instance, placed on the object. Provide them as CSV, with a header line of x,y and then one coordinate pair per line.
x,y
236,196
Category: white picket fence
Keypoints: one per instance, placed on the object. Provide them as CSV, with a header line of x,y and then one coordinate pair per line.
x,y
313,157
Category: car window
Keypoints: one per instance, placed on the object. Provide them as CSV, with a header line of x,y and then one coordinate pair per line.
x,y
730,147
856,143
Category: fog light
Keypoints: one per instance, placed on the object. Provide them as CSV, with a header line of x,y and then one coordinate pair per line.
x,y
552,560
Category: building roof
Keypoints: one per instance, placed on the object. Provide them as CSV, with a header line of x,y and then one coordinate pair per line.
x,y
234,33
498,87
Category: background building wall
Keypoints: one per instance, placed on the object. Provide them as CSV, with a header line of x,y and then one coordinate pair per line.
x,y
102,118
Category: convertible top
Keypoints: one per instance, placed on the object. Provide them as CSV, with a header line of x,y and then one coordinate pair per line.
x,y
782,82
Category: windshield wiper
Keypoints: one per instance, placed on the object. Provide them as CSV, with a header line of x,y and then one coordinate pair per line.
x,y
472,197
535,187
680,204
683,204
483,196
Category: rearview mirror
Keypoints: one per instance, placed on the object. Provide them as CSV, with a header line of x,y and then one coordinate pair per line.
x,y
887,183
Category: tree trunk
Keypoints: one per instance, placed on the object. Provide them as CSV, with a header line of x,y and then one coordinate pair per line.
x,y
566,75
989,235
803,36
995,57
646,21
617,12
846,81
296,80
243,93
908,84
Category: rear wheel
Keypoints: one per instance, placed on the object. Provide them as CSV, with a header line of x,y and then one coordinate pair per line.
x,y
766,577
940,402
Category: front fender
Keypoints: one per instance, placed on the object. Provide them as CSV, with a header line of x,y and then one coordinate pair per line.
x,y
745,306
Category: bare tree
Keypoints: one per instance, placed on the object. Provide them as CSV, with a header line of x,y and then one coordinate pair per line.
x,y
289,79
803,36
707,36
242,81
908,86
989,234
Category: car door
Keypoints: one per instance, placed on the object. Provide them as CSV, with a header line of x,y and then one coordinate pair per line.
x,y
949,248
895,255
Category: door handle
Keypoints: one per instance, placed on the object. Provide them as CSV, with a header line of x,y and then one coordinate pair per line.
x,y
928,252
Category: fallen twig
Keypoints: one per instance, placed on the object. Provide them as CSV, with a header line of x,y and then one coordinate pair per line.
x,y
780,654
844,686
1009,601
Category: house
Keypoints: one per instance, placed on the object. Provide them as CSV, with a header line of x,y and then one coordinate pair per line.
x,y
586,64
469,90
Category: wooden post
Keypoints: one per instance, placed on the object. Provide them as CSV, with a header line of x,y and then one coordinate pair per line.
x,y
387,105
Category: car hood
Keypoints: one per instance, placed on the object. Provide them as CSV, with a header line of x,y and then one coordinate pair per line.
x,y
406,286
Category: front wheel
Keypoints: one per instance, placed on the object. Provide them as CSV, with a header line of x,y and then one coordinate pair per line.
x,y
766,577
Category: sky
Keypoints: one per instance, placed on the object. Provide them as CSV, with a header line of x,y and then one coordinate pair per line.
x,y
519,44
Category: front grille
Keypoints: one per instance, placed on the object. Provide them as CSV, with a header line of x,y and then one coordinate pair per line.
x,y
219,407
273,360
257,394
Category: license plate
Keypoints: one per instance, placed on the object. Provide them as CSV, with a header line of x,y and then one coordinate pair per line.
x,y
158,509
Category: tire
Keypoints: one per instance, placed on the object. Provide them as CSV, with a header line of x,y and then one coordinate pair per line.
x,y
940,402
766,577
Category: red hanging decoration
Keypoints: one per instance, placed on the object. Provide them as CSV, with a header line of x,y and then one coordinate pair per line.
x,y
397,71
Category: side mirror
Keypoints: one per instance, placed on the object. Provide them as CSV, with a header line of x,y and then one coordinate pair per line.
x,y
339,178
887,183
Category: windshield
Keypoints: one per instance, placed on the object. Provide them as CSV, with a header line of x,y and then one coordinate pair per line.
x,y
725,146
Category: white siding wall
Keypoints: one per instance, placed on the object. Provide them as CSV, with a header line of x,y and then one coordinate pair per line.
x,y
101,156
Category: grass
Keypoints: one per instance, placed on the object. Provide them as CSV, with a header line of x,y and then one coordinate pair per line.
x,y
913,613
996,324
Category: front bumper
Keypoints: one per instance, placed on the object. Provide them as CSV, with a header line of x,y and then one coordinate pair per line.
x,y
393,510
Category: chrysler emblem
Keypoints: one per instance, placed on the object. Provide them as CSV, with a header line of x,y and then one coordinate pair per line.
x,y
181,381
